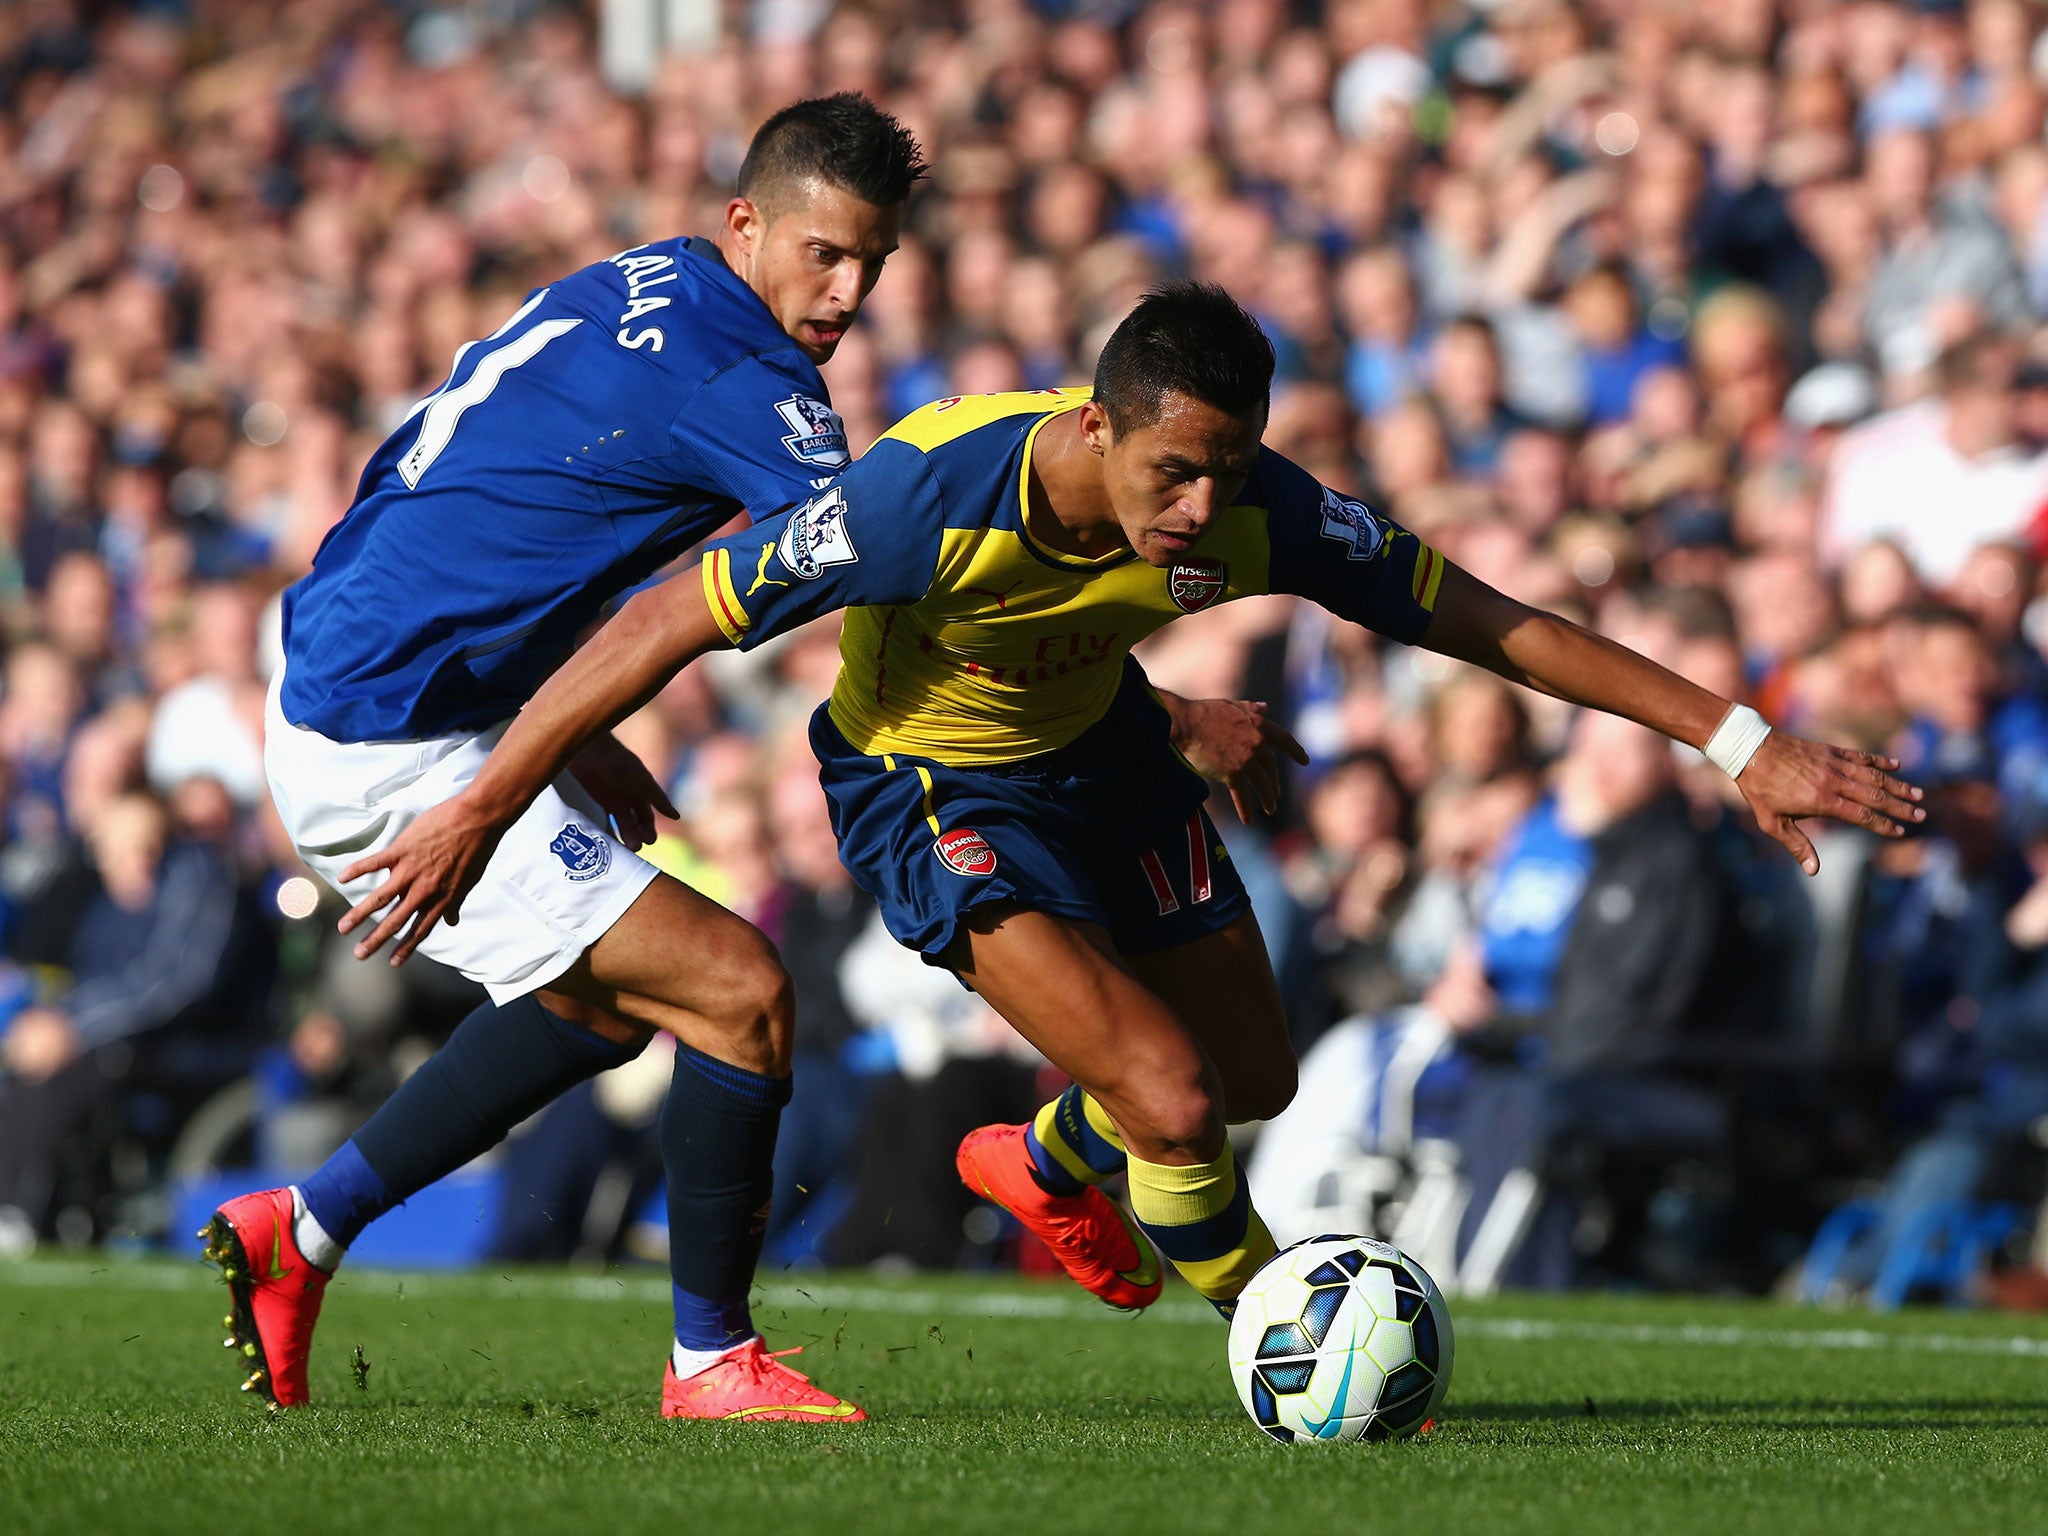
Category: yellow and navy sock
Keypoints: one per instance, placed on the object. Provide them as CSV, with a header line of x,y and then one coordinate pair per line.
x,y
1073,1144
1202,1219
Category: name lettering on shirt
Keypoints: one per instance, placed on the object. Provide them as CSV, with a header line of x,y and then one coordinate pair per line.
x,y
643,272
517,477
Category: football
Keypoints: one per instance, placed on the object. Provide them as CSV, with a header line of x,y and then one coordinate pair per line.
x,y
1341,1338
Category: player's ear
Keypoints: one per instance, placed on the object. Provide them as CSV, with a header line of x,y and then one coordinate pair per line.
x,y
1096,431
743,222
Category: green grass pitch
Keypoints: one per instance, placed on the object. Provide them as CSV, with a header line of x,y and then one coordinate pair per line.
x,y
528,1403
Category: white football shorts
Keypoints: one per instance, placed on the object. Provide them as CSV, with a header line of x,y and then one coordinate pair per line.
x,y
556,883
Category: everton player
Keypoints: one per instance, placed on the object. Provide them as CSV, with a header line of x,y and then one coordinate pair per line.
x,y
623,414
1002,780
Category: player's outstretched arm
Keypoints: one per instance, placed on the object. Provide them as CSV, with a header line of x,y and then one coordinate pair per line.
x,y
1785,780
433,863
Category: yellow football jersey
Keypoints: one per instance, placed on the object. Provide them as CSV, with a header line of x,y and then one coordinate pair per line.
x,y
970,643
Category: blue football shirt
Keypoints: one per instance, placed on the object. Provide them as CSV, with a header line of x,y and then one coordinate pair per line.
x,y
620,417
1526,919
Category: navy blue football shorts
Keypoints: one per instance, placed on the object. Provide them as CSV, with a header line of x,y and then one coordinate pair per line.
x,y
1108,829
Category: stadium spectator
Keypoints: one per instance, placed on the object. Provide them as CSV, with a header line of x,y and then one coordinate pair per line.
x,y
1354,872
165,993
210,726
1595,947
1984,1060
1936,247
1961,452
1387,357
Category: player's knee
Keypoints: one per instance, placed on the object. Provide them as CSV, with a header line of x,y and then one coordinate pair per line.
x,y
755,1008
1177,1117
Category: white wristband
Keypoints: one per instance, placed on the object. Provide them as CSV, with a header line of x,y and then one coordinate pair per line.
x,y
1735,740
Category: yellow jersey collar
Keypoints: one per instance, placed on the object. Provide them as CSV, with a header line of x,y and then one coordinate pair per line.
x,y
1049,556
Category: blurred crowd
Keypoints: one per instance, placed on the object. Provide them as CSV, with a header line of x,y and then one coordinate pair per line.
x,y
1717,325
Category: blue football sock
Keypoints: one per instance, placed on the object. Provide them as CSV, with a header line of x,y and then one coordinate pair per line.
x,y
718,1147
500,1065
345,1195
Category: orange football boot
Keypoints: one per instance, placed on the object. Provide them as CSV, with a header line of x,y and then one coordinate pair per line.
x,y
274,1293
1101,1247
751,1382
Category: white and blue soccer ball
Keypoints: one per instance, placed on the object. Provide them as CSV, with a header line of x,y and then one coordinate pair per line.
x,y
1341,1338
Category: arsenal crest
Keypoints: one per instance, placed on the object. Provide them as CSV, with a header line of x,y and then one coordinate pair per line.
x,y
1195,584
966,853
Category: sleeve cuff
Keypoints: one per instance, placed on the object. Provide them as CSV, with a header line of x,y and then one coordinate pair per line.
x,y
1428,576
722,597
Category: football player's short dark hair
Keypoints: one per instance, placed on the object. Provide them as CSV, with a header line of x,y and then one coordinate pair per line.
x,y
1184,338
844,140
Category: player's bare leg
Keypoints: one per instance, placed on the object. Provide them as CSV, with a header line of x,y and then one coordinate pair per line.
x,y
1221,986
601,1022
1063,987
679,962
1090,1235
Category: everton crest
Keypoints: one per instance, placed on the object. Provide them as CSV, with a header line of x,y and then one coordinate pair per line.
x,y
583,853
1195,584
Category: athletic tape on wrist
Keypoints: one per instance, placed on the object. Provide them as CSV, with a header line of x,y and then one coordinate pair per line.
x,y
1735,740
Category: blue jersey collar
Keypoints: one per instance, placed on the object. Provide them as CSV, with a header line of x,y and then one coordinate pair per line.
x,y
706,250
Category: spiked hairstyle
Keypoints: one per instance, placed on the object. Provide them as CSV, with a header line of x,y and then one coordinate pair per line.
x,y
843,141
1183,338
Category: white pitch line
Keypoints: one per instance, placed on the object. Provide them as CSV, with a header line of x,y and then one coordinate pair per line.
x,y
1521,1328
838,1295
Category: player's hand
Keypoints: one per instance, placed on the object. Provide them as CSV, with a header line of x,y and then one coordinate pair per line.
x,y
1236,743
1791,778
433,864
620,783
